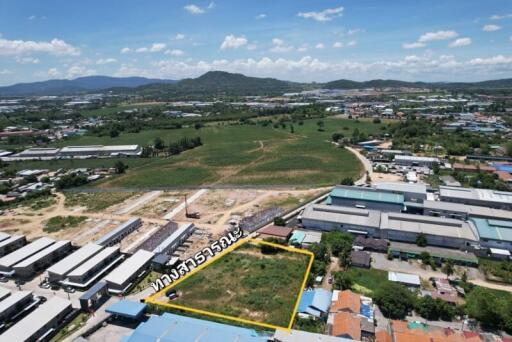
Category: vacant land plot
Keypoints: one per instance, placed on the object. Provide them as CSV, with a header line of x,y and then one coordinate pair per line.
x,y
232,154
63,222
366,281
95,201
248,284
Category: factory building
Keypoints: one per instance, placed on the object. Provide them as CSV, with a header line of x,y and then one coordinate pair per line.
x,y
479,197
41,323
14,303
416,193
366,198
463,211
123,277
84,275
12,243
4,293
494,233
7,262
38,153
117,234
100,151
415,161
4,236
42,259
59,271
170,244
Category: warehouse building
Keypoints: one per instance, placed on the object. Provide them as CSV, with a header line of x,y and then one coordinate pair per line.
x,y
366,198
124,276
7,262
415,161
463,211
12,243
412,192
100,151
170,244
4,293
494,233
84,275
479,197
59,271
42,259
37,153
4,236
17,301
352,220
42,323
117,234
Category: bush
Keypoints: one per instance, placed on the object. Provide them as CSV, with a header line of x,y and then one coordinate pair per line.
x,y
279,221
434,309
394,300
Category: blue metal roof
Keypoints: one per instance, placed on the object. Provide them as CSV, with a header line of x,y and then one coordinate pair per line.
x,y
322,300
367,195
493,229
315,302
127,308
93,290
306,300
297,237
175,328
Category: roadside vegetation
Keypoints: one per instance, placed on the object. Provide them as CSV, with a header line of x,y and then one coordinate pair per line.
x,y
58,223
95,201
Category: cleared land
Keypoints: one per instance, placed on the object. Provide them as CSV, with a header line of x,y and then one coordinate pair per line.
x,y
247,284
232,154
94,202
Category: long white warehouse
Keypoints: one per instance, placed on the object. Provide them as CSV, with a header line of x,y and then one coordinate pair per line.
x,y
174,240
8,261
15,302
118,233
10,244
122,278
41,259
59,271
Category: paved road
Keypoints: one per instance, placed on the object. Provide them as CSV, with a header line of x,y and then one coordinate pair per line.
x,y
366,163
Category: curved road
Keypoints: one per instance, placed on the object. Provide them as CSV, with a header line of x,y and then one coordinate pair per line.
x,y
366,163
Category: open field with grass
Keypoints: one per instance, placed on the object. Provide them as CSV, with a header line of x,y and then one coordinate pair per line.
x,y
247,284
57,223
232,154
95,201
366,281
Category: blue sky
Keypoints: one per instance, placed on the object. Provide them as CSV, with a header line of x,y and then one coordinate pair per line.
x,y
299,40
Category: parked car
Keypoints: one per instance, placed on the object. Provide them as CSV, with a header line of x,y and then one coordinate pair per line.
x,y
69,289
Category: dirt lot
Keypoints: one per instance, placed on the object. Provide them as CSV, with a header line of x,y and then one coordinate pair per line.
x,y
387,177
161,205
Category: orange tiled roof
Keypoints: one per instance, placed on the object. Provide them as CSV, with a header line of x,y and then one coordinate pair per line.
x,y
347,301
346,324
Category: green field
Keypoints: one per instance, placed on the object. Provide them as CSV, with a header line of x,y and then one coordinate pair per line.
x,y
95,202
247,284
232,154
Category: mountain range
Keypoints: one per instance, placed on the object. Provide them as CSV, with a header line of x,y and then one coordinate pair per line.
x,y
219,83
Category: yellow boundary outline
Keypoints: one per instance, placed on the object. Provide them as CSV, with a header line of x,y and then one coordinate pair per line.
x,y
153,298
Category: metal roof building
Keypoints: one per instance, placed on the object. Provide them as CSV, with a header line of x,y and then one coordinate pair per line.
x,y
16,301
170,327
315,303
494,233
12,243
480,197
59,271
304,336
404,278
4,236
42,258
121,278
118,233
127,308
100,150
463,211
40,322
415,160
412,192
367,198
8,261
92,269
4,293
170,244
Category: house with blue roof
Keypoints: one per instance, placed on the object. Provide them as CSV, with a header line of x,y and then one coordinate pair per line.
x,y
175,328
366,198
494,233
315,303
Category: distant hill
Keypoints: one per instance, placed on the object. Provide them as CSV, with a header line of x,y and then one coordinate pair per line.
x,y
348,84
78,85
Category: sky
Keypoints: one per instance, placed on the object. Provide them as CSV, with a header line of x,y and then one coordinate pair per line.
x,y
297,40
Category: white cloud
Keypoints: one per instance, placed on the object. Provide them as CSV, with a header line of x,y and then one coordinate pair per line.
x,y
495,60
27,60
5,72
53,72
194,9
280,46
414,45
211,5
175,52
303,48
126,50
322,16
103,61
352,43
491,28
155,47
337,45
233,42
260,16
439,35
353,31
179,36
252,46
460,42
55,47
78,71
502,16
319,46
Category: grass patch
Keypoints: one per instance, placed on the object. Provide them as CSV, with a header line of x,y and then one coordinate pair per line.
x,y
247,284
96,201
58,223
366,281
495,270
146,281
71,327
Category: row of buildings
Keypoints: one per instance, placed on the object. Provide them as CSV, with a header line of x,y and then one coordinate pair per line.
x,y
78,152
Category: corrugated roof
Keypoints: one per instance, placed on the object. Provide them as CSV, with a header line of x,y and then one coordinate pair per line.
x,y
26,251
367,195
343,215
4,236
93,262
126,308
493,196
404,278
174,236
75,259
114,233
11,240
42,254
129,267
37,319
4,292
493,229
402,187
13,299
276,231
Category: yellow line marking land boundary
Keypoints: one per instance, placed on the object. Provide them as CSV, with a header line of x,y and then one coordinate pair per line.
x,y
153,299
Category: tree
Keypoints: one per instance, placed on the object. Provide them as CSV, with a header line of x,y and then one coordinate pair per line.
x,y
347,181
425,258
434,309
114,133
337,136
421,240
158,144
394,300
292,130
448,268
342,281
486,307
320,125
120,167
279,221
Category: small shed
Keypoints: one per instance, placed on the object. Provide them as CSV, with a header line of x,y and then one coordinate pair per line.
x,y
406,279
360,259
94,297
127,310
282,233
